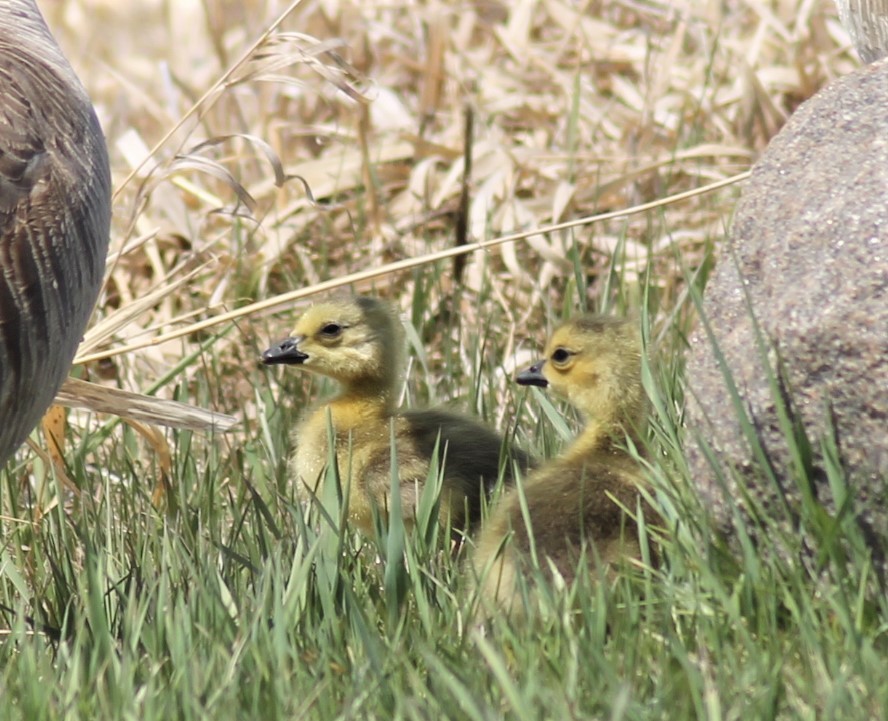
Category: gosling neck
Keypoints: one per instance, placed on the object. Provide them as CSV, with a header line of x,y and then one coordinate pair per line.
x,y
603,437
373,396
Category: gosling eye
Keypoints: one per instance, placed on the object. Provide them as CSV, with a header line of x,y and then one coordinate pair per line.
x,y
560,356
331,330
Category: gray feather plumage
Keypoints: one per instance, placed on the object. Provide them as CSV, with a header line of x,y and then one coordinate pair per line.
x,y
867,23
55,213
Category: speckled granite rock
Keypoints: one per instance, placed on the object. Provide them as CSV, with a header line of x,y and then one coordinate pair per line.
x,y
810,242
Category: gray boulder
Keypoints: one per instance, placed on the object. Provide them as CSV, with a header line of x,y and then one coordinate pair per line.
x,y
808,251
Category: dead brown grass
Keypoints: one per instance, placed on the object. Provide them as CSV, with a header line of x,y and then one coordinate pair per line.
x,y
248,163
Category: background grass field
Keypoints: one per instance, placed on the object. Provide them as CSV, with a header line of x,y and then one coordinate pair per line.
x,y
173,575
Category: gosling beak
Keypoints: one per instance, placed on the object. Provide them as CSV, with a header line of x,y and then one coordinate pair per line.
x,y
533,376
286,352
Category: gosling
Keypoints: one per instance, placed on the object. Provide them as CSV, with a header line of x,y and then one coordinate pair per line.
x,y
576,501
359,343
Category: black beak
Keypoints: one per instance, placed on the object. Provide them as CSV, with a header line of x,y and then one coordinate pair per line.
x,y
286,352
533,376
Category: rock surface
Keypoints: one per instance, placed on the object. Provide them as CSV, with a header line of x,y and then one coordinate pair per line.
x,y
809,245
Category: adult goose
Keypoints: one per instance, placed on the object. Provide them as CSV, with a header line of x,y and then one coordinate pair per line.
x,y
55,214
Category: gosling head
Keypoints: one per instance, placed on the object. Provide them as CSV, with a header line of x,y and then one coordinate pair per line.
x,y
595,363
357,342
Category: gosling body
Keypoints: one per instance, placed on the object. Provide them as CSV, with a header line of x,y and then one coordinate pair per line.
x,y
577,502
359,343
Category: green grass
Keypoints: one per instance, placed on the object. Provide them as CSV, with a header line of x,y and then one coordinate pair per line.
x,y
239,603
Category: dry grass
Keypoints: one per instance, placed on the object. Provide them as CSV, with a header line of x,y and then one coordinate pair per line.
x,y
249,163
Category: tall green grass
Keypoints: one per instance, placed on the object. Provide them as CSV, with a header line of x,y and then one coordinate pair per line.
x,y
238,602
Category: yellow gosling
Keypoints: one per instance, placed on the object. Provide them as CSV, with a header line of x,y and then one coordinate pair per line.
x,y
574,501
360,344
